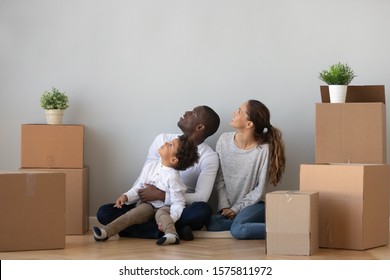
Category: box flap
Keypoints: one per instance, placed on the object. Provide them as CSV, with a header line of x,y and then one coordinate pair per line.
x,y
372,93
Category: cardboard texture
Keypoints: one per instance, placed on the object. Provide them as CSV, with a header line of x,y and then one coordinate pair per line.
x,y
350,132
32,211
292,223
372,93
52,146
353,203
76,198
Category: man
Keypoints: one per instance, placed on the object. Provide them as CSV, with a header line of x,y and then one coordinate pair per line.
x,y
197,125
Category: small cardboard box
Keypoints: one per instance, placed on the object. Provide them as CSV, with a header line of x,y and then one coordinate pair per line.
x,y
352,132
353,203
76,198
52,146
291,223
32,211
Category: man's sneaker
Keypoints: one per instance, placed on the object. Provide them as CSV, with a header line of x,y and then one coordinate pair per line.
x,y
186,233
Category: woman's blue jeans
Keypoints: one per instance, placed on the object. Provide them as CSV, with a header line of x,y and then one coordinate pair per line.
x,y
248,224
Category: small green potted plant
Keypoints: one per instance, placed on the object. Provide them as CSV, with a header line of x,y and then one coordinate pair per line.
x,y
55,103
338,77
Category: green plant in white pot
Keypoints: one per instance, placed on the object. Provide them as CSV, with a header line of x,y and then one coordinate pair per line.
x,y
338,77
55,103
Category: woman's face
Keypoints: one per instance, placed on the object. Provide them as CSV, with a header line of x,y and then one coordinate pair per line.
x,y
240,117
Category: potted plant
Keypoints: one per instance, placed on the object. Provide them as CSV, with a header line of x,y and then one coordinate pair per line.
x,y
338,77
54,102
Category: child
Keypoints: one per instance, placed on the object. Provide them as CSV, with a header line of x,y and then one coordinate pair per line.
x,y
178,154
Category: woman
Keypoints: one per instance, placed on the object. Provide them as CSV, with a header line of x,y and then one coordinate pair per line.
x,y
251,159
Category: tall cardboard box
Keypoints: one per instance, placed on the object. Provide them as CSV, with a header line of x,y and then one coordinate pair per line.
x,y
352,132
76,198
52,146
291,223
32,211
353,203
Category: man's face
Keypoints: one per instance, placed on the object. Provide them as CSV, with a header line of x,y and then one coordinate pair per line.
x,y
190,120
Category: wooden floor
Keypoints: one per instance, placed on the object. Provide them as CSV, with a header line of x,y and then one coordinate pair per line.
x,y
83,247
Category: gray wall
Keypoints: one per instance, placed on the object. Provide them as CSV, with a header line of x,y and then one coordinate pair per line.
x,y
131,69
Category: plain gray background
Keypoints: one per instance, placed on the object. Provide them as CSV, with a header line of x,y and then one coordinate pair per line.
x,y
132,68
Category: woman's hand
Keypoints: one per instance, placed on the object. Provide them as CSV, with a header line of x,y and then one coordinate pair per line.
x,y
228,213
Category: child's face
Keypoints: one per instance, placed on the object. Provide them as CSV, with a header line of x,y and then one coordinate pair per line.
x,y
168,152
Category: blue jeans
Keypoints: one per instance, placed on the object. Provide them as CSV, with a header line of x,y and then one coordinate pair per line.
x,y
248,224
196,215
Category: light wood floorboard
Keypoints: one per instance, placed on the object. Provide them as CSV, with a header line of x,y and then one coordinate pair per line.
x,y
83,247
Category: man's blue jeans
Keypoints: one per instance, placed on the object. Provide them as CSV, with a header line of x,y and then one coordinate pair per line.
x,y
248,224
196,215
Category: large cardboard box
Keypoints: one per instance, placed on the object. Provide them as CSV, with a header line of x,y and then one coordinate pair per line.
x,y
353,203
32,211
291,223
52,146
352,132
76,198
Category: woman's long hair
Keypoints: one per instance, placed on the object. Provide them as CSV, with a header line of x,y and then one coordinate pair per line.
x,y
264,132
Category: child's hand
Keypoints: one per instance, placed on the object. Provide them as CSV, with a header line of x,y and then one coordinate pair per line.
x,y
160,227
120,201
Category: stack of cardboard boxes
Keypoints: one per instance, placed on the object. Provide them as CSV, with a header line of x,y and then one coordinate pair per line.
x,y
48,197
60,149
350,171
343,198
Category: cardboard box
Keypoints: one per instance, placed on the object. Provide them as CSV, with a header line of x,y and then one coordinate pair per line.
x,y
352,132
365,94
52,146
76,198
32,211
354,203
291,223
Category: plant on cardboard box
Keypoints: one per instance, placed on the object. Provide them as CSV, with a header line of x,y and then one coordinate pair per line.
x,y
54,102
337,74
338,77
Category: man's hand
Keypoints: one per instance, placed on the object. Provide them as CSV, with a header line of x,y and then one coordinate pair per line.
x,y
150,193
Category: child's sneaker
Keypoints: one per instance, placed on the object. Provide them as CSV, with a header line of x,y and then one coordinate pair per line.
x,y
99,234
168,239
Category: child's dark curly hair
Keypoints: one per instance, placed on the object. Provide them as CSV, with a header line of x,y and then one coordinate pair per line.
x,y
187,153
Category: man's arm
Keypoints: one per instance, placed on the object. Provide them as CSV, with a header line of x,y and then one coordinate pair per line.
x,y
205,183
